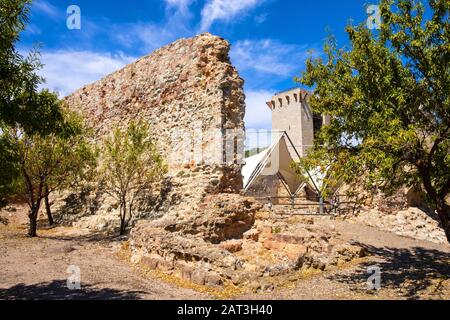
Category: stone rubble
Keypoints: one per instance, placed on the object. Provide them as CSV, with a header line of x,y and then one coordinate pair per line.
x,y
404,213
263,252
411,222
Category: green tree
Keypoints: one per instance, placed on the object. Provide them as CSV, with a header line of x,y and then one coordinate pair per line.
x,y
20,101
130,166
49,162
389,98
21,104
76,164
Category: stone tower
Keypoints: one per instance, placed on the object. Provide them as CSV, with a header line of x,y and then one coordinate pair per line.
x,y
291,113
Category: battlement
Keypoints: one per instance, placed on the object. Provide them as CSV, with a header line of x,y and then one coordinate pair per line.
x,y
284,98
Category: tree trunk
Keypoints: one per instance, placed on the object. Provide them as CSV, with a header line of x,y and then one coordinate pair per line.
x,y
49,211
33,222
122,218
443,211
129,216
122,227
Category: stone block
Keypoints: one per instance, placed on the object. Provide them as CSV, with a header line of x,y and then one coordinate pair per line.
x,y
198,276
213,280
288,238
295,252
231,245
273,245
252,234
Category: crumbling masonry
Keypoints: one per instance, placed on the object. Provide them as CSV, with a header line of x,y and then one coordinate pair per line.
x,y
191,95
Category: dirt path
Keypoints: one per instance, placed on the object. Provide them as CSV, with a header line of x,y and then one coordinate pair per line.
x,y
410,269
37,268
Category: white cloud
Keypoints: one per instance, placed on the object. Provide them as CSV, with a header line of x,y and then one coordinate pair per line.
x,y
259,19
225,10
66,71
268,56
180,5
46,8
146,36
258,114
152,35
33,29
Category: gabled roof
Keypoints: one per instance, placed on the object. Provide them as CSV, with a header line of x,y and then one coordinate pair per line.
x,y
277,160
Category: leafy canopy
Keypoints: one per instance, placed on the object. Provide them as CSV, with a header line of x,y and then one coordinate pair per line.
x,y
20,101
388,96
45,163
54,160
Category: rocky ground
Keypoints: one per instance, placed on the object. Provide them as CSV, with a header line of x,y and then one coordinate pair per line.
x,y
37,268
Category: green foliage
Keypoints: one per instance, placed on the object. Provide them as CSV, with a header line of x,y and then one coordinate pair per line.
x,y
49,162
9,169
131,165
20,102
389,99
321,160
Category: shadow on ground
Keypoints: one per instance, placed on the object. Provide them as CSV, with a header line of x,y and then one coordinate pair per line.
x,y
410,272
57,290
87,238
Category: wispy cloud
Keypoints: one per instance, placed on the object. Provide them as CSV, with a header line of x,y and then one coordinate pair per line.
x,y
269,63
66,71
269,56
180,5
261,18
149,36
146,36
47,8
33,29
225,10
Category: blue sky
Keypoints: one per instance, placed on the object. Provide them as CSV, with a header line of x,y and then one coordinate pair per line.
x,y
271,39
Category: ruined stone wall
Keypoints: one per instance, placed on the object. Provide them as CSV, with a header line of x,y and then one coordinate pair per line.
x,y
192,97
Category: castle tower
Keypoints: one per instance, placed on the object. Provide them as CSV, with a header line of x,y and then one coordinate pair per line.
x,y
291,113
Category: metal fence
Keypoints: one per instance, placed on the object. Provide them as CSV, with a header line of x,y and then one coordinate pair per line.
x,y
309,205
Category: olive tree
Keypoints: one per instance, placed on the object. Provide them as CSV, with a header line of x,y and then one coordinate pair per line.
x,y
21,102
130,166
388,95
20,99
48,162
